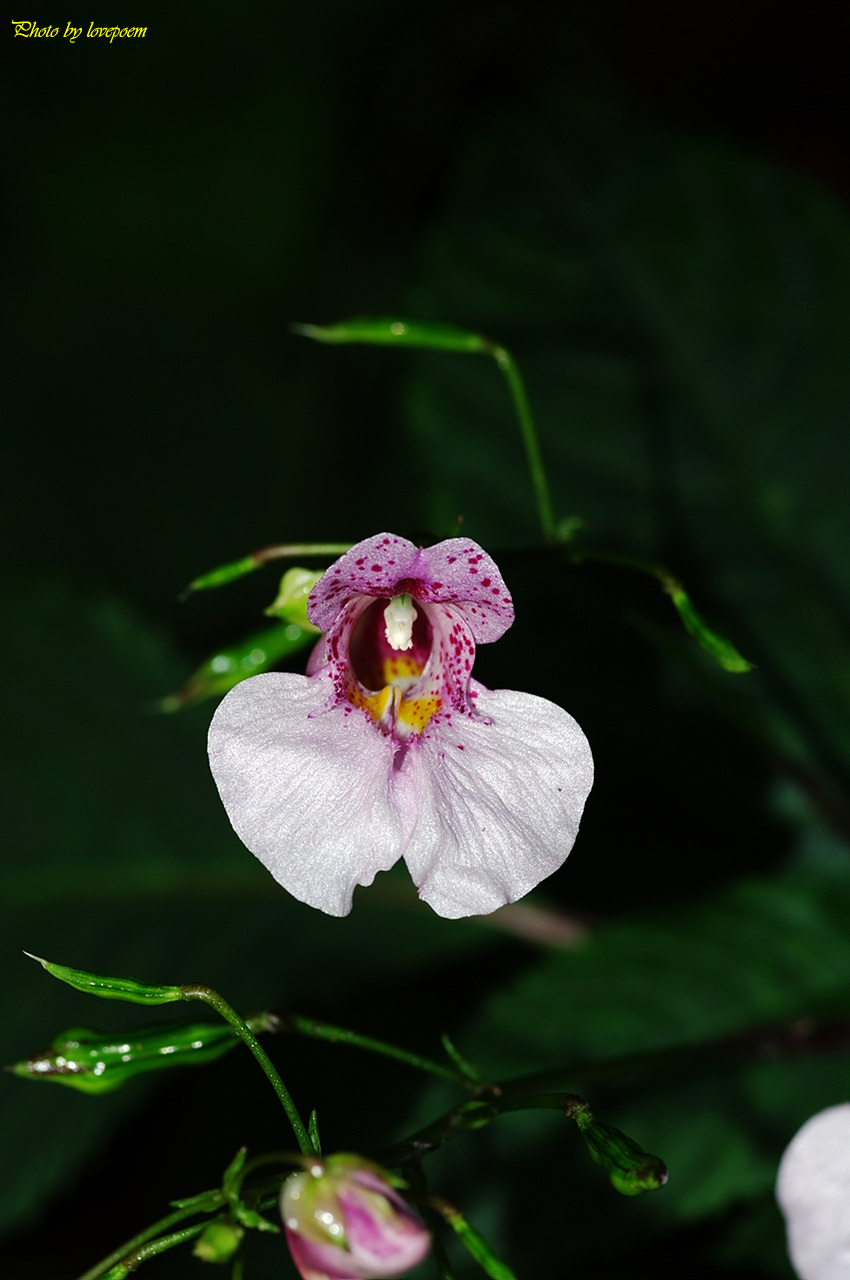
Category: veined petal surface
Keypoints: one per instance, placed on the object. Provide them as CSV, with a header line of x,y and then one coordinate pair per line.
x,y
499,801
456,571
308,787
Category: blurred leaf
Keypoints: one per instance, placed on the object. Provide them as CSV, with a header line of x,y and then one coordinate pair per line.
x,y
228,667
681,314
761,953
720,647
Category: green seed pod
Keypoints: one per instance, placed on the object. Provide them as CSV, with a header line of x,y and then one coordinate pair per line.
x,y
630,1169
109,988
96,1062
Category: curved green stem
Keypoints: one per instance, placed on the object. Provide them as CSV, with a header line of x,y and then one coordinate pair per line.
x,y
339,1035
132,1262
427,335
240,1026
509,368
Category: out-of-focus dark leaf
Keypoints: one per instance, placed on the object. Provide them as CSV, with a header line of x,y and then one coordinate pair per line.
x,y
681,313
762,953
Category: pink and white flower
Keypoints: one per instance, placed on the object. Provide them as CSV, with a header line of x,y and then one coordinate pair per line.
x,y
344,1221
389,748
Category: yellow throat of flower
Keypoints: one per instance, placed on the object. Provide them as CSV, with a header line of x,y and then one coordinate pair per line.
x,y
400,670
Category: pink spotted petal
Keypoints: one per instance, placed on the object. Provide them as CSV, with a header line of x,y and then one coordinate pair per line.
x,y
307,789
499,802
456,571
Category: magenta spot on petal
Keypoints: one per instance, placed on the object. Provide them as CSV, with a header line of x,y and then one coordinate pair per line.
x,y
473,569
459,746
485,582
376,568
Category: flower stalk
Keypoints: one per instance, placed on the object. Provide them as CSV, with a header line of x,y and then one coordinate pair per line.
x,y
240,1026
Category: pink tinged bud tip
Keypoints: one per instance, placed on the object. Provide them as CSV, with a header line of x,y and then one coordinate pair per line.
x,y
813,1190
389,748
343,1220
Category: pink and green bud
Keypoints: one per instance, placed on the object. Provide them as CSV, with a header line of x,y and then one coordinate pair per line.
x,y
344,1221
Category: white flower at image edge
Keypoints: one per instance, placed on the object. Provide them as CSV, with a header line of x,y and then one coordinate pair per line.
x,y
813,1190
388,747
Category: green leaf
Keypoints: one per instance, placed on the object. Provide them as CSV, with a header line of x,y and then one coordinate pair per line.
x,y
228,667
720,648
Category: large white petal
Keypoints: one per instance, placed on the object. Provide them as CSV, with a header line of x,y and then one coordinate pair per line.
x,y
813,1190
308,790
499,803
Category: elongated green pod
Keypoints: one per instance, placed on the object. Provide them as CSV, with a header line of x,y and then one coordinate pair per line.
x,y
391,331
110,988
98,1062
630,1169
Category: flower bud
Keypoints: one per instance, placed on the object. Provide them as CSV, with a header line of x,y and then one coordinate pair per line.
x,y
343,1220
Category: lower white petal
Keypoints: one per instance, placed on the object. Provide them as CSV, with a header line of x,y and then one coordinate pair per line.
x,y
308,790
499,803
813,1190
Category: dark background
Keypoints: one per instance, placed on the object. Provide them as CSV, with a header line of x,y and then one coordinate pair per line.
x,y
647,204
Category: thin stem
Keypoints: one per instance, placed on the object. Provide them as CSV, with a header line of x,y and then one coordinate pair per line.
x,y
131,1247
155,1247
640,564
240,1026
430,336
509,368
545,1090
419,1187
472,1114
288,550
339,1035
